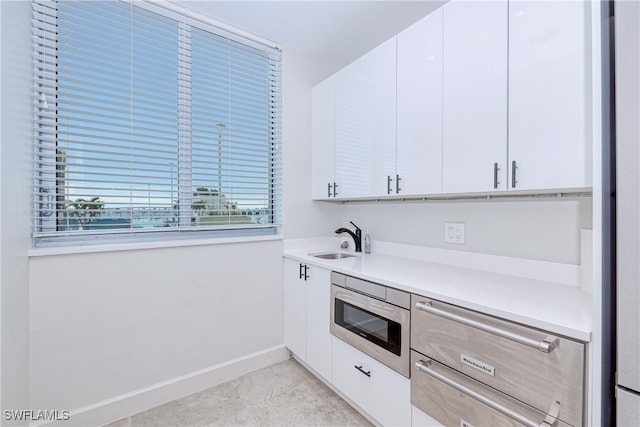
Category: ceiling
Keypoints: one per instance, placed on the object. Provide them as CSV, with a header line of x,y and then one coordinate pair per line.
x,y
332,32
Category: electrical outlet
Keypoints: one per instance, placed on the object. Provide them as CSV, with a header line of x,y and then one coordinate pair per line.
x,y
454,232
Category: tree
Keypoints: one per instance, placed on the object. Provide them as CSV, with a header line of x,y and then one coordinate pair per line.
x,y
208,201
85,210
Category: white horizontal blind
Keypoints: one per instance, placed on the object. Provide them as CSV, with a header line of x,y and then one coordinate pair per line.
x,y
146,123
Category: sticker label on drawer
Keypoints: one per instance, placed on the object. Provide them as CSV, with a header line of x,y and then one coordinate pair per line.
x,y
464,423
476,364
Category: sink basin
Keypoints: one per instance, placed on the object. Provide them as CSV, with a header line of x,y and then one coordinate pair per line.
x,y
333,255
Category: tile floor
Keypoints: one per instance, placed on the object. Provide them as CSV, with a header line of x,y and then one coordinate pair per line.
x,y
284,394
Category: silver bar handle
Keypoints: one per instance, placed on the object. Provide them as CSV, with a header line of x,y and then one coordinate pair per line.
x,y
389,179
496,169
546,345
514,179
329,189
425,366
398,189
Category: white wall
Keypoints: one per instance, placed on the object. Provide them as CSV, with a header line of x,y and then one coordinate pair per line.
x,y
547,230
103,325
106,324
302,217
110,323
15,192
1,405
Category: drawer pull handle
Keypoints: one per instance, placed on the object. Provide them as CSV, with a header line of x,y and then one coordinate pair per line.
x,y
425,367
359,368
547,345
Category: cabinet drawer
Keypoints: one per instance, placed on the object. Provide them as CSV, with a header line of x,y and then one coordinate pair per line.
x,y
455,399
527,364
380,391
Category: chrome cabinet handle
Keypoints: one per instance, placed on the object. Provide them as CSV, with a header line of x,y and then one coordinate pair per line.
x,y
389,179
398,189
329,189
359,368
425,367
335,189
514,167
546,345
496,169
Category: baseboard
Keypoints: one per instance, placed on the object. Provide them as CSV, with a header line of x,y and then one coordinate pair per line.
x,y
125,405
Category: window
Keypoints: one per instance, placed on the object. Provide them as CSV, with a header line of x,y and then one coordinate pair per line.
x,y
147,123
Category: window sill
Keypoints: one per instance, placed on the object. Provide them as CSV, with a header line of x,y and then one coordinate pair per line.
x,y
116,247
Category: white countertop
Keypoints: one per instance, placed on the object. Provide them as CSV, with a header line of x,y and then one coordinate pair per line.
x,y
555,307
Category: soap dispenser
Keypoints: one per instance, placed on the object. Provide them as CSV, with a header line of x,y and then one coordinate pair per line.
x,y
367,243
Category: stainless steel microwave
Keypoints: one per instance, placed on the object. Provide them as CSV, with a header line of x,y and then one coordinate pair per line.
x,y
372,318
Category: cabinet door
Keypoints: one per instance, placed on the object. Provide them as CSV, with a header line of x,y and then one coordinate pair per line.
x,y
366,123
474,96
381,392
294,308
322,138
419,106
318,312
549,108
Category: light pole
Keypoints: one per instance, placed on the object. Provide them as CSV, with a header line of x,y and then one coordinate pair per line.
x,y
171,165
220,126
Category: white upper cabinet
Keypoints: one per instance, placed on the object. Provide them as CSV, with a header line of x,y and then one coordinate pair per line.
x,y
549,107
419,108
475,96
365,123
323,138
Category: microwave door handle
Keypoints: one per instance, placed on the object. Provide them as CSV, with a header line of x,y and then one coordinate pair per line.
x,y
425,367
546,345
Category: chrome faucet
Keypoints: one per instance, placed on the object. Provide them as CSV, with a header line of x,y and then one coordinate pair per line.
x,y
357,236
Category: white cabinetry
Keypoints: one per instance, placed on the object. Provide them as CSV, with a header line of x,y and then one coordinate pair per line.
x,y
323,121
380,391
479,96
306,314
549,107
419,108
365,123
354,127
475,96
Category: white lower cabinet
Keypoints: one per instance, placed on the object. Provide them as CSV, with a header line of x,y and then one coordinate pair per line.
x,y
421,419
380,391
306,314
